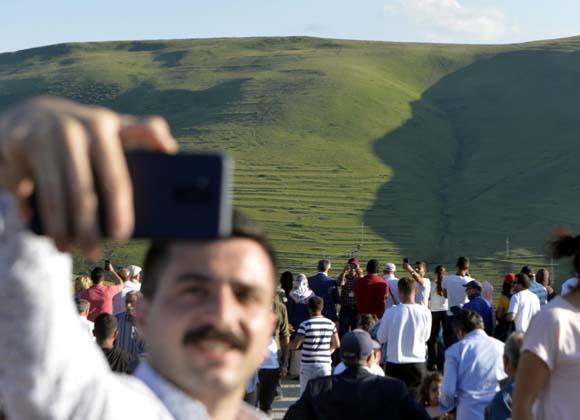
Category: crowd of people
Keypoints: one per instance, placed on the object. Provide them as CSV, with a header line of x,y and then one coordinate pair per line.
x,y
447,333
205,320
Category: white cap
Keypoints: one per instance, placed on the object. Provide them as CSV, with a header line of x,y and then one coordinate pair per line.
x,y
390,267
134,270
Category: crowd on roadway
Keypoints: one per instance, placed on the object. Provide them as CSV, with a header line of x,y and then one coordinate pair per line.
x,y
207,323
446,334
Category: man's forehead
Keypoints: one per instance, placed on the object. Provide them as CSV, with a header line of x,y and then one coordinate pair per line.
x,y
232,253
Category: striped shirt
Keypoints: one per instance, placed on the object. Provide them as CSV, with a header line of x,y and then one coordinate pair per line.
x,y
317,332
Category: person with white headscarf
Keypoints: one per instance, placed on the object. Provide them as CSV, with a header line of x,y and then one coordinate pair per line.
x,y
297,306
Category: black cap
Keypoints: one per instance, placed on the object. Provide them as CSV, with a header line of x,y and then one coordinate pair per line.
x,y
474,284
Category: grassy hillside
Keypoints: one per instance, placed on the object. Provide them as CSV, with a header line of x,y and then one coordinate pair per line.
x,y
417,150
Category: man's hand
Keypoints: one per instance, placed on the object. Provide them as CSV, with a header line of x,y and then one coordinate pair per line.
x,y
62,150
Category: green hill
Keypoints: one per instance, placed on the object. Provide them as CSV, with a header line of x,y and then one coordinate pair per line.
x,y
417,150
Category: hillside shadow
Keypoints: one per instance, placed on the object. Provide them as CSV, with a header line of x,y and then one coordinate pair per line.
x,y
182,108
481,158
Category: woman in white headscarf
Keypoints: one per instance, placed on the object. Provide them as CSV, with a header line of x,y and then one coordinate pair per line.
x,y
297,306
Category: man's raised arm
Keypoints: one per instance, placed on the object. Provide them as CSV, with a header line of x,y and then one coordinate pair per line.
x,y
49,369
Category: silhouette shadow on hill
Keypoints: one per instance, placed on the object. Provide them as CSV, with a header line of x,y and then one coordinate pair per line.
x,y
490,152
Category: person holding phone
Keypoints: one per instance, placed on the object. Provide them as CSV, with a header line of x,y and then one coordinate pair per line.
x,y
206,314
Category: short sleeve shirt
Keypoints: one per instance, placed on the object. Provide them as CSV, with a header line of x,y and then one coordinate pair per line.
x,y
554,336
524,305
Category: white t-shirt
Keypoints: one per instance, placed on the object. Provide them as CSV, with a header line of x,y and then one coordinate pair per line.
x,y
422,292
405,328
374,369
568,285
456,296
88,326
524,305
554,336
393,284
437,303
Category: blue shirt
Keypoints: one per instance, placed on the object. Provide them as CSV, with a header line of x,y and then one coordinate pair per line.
x,y
540,291
500,407
482,307
473,369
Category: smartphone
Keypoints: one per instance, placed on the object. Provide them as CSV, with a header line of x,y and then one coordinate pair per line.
x,y
405,261
179,196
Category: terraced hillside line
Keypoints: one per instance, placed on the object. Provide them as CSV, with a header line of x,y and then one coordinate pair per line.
x,y
436,149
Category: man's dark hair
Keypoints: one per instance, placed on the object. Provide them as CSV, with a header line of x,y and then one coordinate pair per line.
x,y
466,321
523,280
367,321
315,304
97,275
105,326
406,286
242,227
323,265
462,263
373,266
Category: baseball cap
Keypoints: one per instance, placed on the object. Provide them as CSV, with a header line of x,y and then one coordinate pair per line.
x,y
134,270
353,261
509,278
473,283
390,267
356,345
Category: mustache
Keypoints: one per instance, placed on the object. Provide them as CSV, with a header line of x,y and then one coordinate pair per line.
x,y
209,332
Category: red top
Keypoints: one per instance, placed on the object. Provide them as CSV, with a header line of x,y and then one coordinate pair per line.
x,y
371,293
101,299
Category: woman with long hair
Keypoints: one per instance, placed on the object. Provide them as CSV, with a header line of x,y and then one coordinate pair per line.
x,y
543,277
438,306
504,327
548,375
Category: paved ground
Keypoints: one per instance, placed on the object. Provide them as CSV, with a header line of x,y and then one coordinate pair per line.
x,y
291,390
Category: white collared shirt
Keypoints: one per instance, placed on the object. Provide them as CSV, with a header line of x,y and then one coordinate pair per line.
x,y
49,370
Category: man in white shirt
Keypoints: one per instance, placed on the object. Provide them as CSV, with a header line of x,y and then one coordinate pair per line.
x,y
406,328
390,276
423,286
206,314
454,291
524,304
83,307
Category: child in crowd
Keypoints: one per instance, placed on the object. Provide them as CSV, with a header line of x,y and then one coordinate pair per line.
x,y
319,338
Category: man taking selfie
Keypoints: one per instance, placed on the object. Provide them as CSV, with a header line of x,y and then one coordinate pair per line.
x,y
206,314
